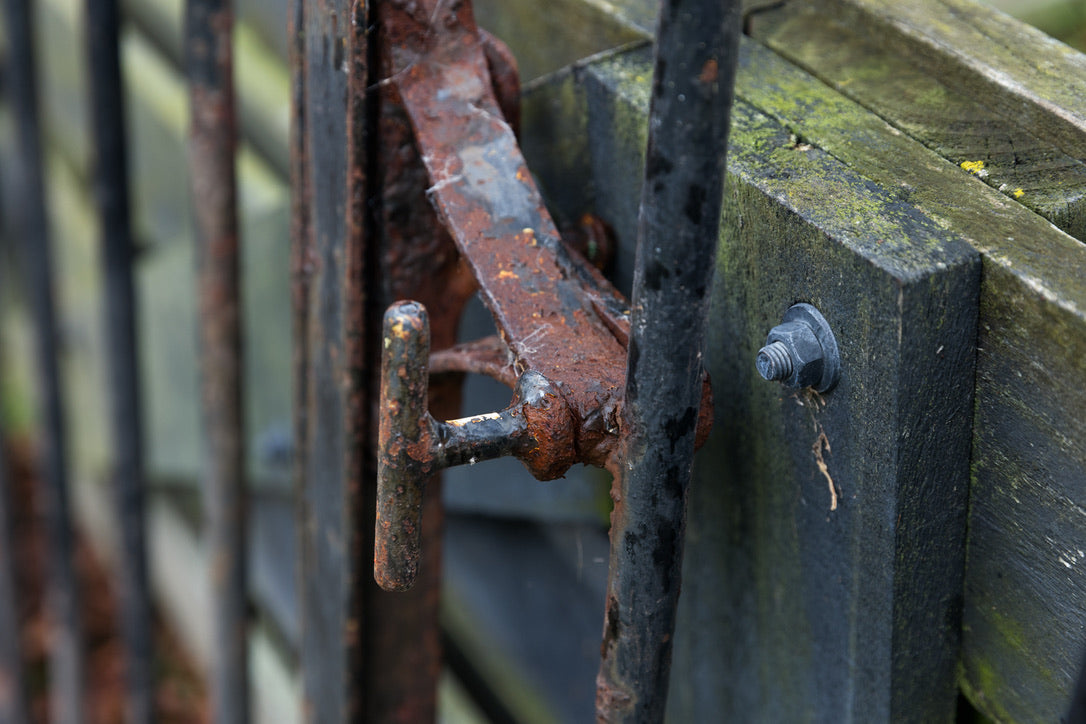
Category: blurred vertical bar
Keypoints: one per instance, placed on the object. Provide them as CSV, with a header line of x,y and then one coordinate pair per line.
x,y
299,251
110,174
212,146
13,703
678,228
327,580
66,662
359,377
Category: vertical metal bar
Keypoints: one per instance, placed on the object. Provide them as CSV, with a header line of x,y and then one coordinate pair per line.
x,y
366,655
301,268
111,195
13,692
326,573
213,141
13,703
678,227
359,377
66,662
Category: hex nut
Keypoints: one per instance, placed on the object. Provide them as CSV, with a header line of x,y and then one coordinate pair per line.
x,y
804,350
801,351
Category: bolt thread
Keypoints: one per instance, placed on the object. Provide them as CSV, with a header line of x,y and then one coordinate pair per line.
x,y
773,362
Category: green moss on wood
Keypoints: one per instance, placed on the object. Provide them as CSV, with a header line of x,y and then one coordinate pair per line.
x,y
547,36
799,224
982,53
1006,232
968,132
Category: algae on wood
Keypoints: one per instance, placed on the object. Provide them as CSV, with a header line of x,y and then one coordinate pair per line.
x,y
791,610
1024,74
1029,372
968,131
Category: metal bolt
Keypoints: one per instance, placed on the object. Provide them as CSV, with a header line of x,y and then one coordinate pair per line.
x,y
773,362
801,351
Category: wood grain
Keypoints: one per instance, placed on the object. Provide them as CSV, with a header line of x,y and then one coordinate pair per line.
x,y
1021,643
791,611
967,130
1029,77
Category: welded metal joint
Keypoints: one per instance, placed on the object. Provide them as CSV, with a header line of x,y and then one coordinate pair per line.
x,y
535,428
801,351
563,328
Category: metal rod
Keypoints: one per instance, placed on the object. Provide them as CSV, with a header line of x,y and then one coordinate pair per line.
x,y
66,663
299,249
111,196
13,702
13,692
213,142
300,271
678,228
319,188
359,349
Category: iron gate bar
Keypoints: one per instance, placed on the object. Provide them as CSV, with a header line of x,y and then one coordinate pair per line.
x,y
66,661
112,199
212,148
697,45
13,700
318,189
300,251
412,257
365,655
561,322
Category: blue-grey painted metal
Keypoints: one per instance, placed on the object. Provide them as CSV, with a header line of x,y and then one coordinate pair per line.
x,y
801,351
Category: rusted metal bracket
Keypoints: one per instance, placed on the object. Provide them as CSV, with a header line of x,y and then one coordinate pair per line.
x,y
564,328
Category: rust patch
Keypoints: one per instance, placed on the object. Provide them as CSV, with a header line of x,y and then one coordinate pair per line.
x,y
447,137
709,72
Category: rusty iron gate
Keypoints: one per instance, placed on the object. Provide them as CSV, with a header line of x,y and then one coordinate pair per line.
x,y
408,184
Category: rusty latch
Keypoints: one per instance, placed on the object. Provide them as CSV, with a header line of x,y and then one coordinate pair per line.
x,y
564,329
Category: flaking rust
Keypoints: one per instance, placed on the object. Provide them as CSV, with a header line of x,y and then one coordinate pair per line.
x,y
563,328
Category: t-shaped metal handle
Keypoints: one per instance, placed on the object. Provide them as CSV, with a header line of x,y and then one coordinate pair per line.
x,y
413,445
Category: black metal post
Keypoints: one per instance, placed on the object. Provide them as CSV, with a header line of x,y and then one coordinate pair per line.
x,y
678,228
212,146
66,662
111,196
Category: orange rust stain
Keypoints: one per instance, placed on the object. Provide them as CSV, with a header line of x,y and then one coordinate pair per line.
x,y
507,275
709,71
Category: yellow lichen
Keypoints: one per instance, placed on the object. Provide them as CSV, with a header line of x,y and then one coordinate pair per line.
x,y
973,167
1019,193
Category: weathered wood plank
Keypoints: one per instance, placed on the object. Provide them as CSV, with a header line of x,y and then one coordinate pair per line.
x,y
1023,74
1007,233
1025,619
1033,312
533,30
792,611
965,130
